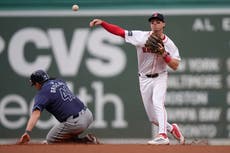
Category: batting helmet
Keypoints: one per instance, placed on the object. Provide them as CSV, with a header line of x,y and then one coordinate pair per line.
x,y
38,76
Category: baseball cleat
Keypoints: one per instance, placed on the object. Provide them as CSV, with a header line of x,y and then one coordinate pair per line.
x,y
44,142
92,139
177,134
159,140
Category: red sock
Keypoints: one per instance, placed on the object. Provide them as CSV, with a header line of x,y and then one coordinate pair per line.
x,y
164,135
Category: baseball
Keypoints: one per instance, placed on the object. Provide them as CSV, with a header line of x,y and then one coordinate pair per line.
x,y
75,7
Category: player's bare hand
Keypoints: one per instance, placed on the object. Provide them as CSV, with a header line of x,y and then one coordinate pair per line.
x,y
95,22
25,138
161,48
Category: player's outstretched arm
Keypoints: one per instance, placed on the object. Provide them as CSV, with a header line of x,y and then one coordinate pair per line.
x,y
114,29
25,138
95,22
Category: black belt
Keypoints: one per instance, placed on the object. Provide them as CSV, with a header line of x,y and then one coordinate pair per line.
x,y
77,115
154,75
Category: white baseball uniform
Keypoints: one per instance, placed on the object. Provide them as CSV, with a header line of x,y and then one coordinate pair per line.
x,y
153,89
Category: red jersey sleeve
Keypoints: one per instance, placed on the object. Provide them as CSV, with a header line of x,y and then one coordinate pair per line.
x,y
114,29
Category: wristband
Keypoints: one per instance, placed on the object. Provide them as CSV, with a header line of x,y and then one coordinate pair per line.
x,y
28,132
167,58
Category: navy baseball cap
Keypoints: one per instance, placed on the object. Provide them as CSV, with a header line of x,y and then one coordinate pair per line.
x,y
157,16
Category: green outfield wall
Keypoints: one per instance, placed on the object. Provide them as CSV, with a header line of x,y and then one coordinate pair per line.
x,y
105,4
102,70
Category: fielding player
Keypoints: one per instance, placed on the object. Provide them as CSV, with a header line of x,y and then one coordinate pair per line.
x,y
152,67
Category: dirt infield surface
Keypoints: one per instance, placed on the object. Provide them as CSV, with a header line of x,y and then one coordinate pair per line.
x,y
112,148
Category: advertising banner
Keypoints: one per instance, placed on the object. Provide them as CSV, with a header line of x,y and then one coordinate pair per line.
x,y
102,70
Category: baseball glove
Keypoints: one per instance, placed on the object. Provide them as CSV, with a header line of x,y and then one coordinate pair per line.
x,y
155,44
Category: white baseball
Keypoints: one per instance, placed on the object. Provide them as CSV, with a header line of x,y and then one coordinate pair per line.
x,y
75,7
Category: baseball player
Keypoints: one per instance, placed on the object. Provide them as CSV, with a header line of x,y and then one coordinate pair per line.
x,y
54,96
152,71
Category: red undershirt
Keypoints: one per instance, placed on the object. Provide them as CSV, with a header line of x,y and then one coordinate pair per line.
x,y
114,29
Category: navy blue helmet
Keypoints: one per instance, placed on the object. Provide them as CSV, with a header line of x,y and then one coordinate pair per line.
x,y
39,76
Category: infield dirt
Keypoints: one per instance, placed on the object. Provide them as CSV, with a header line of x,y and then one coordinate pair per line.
x,y
112,148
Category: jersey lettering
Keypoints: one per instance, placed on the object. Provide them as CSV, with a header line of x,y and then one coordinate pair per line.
x,y
146,50
54,86
66,94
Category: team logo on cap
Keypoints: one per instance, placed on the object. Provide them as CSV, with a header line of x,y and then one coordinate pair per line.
x,y
155,14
